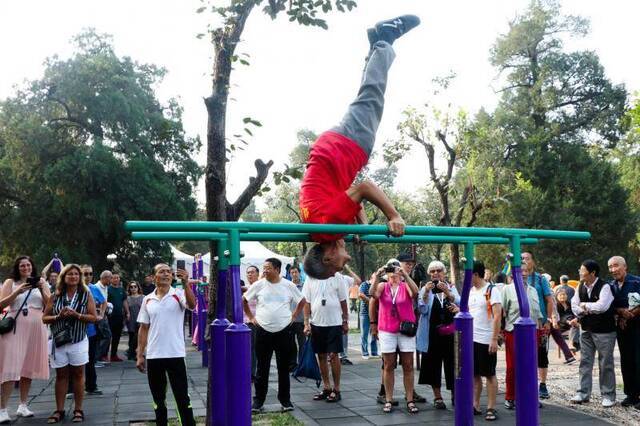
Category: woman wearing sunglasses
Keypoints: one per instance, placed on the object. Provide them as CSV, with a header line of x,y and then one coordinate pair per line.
x,y
134,299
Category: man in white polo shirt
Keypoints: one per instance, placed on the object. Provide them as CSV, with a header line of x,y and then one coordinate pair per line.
x,y
161,334
274,296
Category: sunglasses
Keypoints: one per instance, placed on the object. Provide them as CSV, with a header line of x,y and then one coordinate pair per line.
x,y
133,286
435,271
88,274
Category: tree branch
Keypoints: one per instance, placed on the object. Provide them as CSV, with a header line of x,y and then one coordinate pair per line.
x,y
255,183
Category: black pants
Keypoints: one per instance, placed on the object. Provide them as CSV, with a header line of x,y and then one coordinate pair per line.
x,y
133,344
440,352
629,345
115,324
297,331
266,344
157,372
90,383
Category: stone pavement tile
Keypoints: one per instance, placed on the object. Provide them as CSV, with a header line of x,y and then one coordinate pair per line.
x,y
330,412
351,421
357,402
367,410
395,418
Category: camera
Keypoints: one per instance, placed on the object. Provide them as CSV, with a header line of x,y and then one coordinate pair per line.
x,y
33,281
390,269
435,286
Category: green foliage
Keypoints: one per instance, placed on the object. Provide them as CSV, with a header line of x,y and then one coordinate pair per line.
x,y
85,148
556,120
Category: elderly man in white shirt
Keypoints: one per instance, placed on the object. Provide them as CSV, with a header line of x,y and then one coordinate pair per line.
x,y
592,304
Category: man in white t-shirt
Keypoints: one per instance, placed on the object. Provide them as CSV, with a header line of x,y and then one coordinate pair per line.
x,y
274,296
161,335
326,319
485,306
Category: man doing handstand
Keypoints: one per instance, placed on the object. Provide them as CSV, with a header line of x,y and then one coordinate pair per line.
x,y
327,194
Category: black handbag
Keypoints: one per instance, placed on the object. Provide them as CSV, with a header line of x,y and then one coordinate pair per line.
x,y
408,328
8,323
62,337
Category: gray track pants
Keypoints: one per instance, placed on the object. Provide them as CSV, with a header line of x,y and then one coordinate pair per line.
x,y
362,119
603,344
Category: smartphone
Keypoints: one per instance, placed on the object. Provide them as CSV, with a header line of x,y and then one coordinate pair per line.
x,y
33,281
181,264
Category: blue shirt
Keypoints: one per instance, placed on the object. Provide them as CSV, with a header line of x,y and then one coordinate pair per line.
x,y
543,288
364,306
99,299
631,284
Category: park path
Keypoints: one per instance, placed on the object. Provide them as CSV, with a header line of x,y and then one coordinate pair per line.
x,y
126,399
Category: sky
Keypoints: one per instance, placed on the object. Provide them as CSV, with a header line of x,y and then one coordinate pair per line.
x,y
300,77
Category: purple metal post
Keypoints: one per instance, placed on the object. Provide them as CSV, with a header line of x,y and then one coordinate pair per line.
x,y
200,269
526,359
217,364
202,328
238,341
464,356
194,313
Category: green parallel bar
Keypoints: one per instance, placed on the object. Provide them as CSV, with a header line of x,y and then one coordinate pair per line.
x,y
350,229
223,261
234,247
426,239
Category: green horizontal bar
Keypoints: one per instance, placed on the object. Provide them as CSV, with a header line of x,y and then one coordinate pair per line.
x,y
351,229
407,239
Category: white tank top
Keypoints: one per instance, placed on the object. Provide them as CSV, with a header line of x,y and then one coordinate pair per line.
x,y
35,299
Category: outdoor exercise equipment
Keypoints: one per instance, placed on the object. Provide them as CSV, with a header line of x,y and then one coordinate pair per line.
x,y
230,365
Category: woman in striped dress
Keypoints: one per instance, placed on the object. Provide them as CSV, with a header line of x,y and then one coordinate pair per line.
x,y
69,312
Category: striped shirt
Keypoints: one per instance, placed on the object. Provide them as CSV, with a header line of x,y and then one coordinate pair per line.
x,y
78,303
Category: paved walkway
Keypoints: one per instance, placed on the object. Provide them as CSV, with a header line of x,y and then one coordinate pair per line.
x,y
126,399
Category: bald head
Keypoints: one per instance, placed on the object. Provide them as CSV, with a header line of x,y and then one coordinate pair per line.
x,y
617,268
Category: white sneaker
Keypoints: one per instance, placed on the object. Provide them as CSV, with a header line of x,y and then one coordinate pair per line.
x,y
23,411
577,399
607,403
365,356
4,416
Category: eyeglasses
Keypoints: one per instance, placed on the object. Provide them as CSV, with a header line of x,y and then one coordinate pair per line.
x,y
435,271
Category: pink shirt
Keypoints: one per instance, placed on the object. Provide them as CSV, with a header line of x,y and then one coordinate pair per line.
x,y
387,319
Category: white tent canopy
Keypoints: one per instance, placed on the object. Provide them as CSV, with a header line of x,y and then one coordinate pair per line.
x,y
253,253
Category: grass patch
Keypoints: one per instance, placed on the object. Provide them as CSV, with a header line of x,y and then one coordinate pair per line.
x,y
275,419
267,419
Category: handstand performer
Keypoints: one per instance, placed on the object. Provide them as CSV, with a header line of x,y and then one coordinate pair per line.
x,y
327,193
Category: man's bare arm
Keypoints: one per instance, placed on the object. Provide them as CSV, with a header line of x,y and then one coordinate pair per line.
x,y
369,191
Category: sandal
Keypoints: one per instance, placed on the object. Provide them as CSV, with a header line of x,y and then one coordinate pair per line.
x,y
439,404
334,396
322,395
78,416
476,412
411,407
388,407
56,417
491,415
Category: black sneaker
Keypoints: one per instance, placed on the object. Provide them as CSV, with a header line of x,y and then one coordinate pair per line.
x,y
382,399
418,398
345,361
257,407
392,29
94,392
543,392
570,361
287,406
629,401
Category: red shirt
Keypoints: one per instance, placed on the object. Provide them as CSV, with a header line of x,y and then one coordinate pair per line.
x,y
334,162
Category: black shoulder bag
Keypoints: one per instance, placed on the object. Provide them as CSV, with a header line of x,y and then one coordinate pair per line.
x,y
8,323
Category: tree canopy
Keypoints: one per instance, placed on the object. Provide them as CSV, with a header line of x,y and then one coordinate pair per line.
x,y
87,147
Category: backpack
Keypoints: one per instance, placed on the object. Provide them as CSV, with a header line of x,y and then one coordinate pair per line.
x,y
487,297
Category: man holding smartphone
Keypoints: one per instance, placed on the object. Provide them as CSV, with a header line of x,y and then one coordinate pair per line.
x,y
161,343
